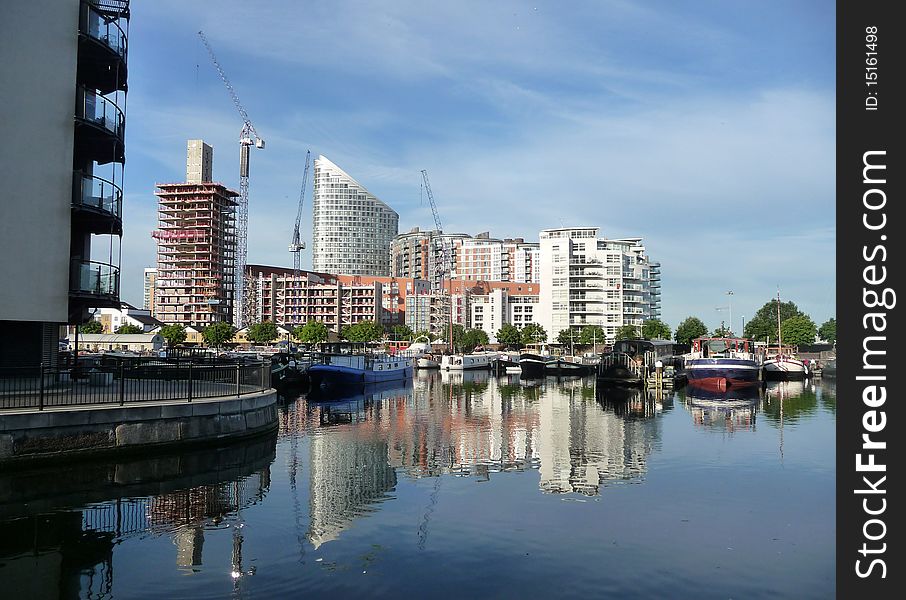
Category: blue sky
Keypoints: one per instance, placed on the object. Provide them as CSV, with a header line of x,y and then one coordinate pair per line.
x,y
706,127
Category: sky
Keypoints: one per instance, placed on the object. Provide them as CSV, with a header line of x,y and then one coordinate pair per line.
x,y
705,127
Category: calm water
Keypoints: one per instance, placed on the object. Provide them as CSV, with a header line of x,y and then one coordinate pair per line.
x,y
454,487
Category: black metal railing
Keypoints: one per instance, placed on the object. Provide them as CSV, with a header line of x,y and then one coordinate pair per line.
x,y
125,381
95,278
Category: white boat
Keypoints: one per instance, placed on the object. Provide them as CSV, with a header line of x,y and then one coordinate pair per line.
x,y
781,363
421,352
426,362
464,362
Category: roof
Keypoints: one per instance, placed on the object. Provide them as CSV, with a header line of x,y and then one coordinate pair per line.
x,y
119,338
146,320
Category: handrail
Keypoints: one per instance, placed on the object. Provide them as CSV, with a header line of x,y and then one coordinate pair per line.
x,y
100,110
100,279
96,195
96,25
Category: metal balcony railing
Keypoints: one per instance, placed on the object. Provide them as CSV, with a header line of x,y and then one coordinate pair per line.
x,y
95,278
101,23
97,192
101,111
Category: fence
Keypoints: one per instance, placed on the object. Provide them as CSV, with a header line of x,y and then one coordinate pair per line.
x,y
123,381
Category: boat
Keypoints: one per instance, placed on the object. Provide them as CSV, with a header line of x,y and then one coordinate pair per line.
x,y
567,365
781,363
287,370
426,362
533,366
464,362
334,369
721,362
829,369
507,363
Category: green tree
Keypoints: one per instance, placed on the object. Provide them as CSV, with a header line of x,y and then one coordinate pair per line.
x,y
472,338
458,332
764,324
828,330
402,332
173,334
592,334
92,326
218,334
128,328
313,332
510,336
262,333
655,329
567,337
363,332
798,330
532,333
690,329
722,331
627,332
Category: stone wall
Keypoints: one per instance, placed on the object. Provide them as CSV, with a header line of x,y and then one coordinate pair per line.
x,y
27,436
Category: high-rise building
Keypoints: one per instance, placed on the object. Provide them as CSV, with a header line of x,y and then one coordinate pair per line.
x,y
418,253
587,280
199,162
196,253
64,89
149,281
351,229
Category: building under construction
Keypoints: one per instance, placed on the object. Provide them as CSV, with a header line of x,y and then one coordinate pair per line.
x,y
196,246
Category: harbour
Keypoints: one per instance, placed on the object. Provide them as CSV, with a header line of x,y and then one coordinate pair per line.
x,y
450,478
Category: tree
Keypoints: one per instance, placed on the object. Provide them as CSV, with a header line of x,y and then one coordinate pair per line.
x,y
798,330
722,331
173,334
627,332
458,331
218,334
591,334
764,324
690,329
402,332
363,332
532,333
509,335
828,330
567,337
472,338
313,332
262,333
128,328
92,327
655,329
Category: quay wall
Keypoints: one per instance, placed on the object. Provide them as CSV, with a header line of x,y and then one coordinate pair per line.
x,y
33,436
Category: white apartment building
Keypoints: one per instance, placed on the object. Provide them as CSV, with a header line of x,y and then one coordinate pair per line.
x,y
588,280
490,312
351,229
150,277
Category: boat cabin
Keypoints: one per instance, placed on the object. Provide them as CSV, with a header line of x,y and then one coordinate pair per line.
x,y
719,346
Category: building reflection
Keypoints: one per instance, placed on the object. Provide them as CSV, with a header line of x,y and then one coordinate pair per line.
x,y
63,549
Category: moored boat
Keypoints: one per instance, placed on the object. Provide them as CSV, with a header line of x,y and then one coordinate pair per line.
x,y
333,369
533,365
719,363
465,362
567,365
782,363
426,362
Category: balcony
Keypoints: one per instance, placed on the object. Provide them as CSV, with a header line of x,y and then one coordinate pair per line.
x,y
94,281
100,128
102,44
97,204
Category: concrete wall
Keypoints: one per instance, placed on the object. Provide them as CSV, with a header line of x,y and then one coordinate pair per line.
x,y
38,43
26,436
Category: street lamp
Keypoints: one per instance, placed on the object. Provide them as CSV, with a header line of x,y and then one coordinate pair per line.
x,y
730,308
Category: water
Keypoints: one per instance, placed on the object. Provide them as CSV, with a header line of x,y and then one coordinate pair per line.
x,y
455,486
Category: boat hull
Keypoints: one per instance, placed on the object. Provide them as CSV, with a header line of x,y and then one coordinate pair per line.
x,y
467,362
533,367
784,369
427,363
565,367
341,375
721,373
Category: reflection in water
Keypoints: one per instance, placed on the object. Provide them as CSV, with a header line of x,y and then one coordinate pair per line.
x,y
59,526
729,410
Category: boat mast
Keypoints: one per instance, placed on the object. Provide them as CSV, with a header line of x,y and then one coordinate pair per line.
x,y
779,336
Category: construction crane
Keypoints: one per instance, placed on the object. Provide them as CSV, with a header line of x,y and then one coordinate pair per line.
x,y
298,245
248,137
440,267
